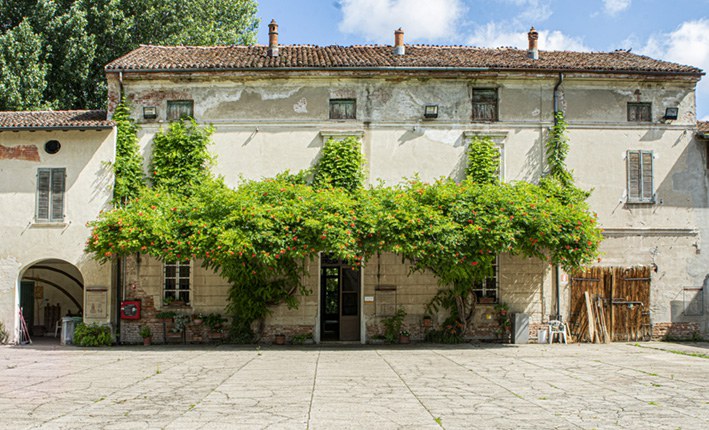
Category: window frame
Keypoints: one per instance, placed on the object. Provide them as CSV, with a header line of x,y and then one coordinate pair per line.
x,y
343,101
481,288
51,195
496,105
176,291
640,197
175,104
636,105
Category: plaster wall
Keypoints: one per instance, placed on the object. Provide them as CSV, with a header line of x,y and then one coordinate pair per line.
x,y
89,182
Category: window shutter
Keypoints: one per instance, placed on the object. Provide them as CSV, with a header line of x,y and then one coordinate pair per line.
x,y
43,180
633,159
58,181
647,176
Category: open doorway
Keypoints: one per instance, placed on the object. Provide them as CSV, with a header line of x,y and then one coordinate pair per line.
x,y
339,300
48,291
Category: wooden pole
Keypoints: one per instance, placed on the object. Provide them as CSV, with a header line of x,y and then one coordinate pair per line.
x,y
591,323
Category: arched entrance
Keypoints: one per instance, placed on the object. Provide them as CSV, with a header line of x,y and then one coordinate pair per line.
x,y
49,290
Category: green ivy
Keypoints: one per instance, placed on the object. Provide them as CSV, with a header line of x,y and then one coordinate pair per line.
x,y
180,155
341,165
128,168
483,161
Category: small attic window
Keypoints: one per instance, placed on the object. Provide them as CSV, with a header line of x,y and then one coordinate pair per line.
x,y
639,112
180,109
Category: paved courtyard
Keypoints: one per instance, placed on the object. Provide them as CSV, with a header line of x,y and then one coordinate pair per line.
x,y
387,387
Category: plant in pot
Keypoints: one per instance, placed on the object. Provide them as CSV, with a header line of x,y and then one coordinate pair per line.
x,y
280,339
197,319
427,322
404,336
146,334
392,325
504,329
215,324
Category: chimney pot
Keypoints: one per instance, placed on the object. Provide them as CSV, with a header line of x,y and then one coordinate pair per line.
x,y
533,37
399,42
273,39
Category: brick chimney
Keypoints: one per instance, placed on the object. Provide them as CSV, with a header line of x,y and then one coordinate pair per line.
x,y
533,51
273,39
399,42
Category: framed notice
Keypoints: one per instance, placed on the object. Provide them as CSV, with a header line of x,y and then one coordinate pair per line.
x,y
96,305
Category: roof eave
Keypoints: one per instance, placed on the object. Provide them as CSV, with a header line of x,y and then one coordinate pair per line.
x,y
56,128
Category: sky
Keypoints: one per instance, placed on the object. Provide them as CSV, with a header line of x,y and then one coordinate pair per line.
x,y
673,30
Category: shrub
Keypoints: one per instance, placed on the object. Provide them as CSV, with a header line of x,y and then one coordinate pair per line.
x,y
3,334
92,335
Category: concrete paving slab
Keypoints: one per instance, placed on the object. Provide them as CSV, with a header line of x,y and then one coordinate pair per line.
x,y
643,386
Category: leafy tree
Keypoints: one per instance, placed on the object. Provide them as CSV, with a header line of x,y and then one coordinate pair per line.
x,y
77,38
23,77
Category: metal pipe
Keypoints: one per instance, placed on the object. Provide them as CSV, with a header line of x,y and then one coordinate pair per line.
x,y
557,272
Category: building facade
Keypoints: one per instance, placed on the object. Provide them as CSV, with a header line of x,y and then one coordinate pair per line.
x,y
632,130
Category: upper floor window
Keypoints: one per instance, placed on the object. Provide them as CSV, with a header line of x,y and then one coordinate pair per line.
x,y
177,282
51,183
484,104
343,109
639,112
487,290
640,178
178,109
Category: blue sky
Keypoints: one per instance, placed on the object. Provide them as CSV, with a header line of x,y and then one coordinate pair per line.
x,y
674,30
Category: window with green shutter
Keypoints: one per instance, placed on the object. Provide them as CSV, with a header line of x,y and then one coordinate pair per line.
x,y
640,177
51,184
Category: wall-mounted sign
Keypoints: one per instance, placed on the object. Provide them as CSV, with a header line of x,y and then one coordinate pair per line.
x,y
96,305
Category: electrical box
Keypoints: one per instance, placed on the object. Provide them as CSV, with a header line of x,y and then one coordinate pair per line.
x,y
130,310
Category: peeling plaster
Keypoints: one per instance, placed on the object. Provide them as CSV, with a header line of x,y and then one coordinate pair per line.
x,y
20,152
301,106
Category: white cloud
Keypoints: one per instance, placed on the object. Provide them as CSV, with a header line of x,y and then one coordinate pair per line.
x,y
614,7
493,35
376,20
533,11
688,44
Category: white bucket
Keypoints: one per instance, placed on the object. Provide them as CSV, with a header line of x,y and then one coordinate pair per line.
x,y
542,336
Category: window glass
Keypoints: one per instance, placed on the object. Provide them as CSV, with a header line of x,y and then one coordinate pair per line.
x,y
487,290
484,104
178,109
639,112
177,281
342,109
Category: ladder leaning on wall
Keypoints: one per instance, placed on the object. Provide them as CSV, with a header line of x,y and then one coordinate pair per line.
x,y
24,332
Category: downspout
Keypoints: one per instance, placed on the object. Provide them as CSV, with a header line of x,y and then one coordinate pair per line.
x,y
120,87
557,272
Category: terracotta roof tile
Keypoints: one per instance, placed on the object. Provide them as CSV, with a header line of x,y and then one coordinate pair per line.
x,y
703,126
61,119
159,58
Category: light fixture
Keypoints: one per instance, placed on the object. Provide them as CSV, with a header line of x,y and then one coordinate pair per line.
x,y
671,113
150,112
430,111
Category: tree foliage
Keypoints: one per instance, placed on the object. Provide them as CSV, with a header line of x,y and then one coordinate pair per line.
x,y
71,41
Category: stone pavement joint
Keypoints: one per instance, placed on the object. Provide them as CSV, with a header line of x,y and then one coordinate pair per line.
x,y
469,386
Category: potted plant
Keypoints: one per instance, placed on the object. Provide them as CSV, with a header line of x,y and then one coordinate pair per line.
x,y
146,334
427,322
214,323
504,330
280,339
197,319
404,336
392,325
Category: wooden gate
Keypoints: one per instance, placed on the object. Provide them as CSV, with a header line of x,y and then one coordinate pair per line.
x,y
618,301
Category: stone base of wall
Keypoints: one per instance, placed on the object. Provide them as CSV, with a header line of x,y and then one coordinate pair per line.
x,y
268,335
669,330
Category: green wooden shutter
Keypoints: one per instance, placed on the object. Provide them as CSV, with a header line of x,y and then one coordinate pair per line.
x,y
57,201
640,177
43,181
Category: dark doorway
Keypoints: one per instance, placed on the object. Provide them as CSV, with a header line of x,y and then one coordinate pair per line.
x,y
339,300
27,304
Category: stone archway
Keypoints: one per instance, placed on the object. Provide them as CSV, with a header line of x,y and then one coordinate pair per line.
x,y
49,290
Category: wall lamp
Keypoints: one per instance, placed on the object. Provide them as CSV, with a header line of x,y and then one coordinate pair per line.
x,y
150,112
430,111
671,113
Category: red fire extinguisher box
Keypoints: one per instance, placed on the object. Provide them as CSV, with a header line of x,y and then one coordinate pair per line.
x,y
130,310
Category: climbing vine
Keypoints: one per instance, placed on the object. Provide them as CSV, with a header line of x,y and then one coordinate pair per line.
x,y
128,168
341,165
483,161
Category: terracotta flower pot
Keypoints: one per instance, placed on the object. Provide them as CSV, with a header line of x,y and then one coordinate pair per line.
x,y
147,341
280,339
404,339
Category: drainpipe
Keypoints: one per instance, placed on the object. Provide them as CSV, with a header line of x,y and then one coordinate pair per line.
x,y
557,272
